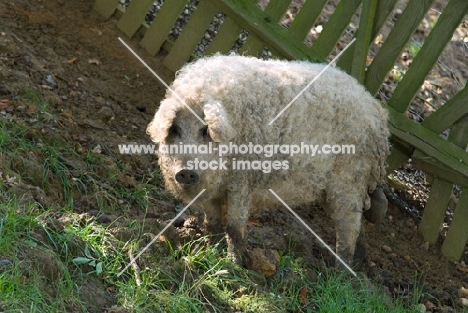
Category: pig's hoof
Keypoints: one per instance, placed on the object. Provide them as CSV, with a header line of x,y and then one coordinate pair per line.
x,y
360,256
237,258
346,257
378,209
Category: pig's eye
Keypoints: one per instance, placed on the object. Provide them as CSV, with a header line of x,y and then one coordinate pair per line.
x,y
174,132
204,133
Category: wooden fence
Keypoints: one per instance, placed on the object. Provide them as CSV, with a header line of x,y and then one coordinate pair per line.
x,y
446,160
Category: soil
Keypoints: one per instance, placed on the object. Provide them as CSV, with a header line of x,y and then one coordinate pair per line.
x,y
101,96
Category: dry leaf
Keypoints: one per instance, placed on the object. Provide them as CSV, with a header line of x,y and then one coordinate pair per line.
x,y
303,294
32,108
253,222
72,60
463,269
5,103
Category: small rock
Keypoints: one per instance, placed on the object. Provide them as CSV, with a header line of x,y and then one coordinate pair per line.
x,y
265,261
79,148
191,221
464,301
425,246
93,212
422,308
49,79
105,114
463,292
97,149
386,248
5,263
430,306
311,275
410,223
378,208
117,309
104,219
447,309
94,61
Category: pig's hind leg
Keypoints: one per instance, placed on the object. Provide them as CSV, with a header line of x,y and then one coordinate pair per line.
x,y
347,233
236,219
346,204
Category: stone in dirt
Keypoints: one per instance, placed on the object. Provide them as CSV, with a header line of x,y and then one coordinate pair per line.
x,y
265,261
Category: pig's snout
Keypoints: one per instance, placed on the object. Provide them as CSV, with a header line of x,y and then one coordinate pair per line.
x,y
187,178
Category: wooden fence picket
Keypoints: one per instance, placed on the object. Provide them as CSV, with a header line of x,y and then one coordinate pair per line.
x,y
395,43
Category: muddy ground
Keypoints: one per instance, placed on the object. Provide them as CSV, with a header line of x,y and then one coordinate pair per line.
x,y
101,96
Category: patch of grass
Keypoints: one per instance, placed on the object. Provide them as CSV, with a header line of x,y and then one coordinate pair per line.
x,y
195,278
337,293
52,164
98,246
12,137
23,287
23,146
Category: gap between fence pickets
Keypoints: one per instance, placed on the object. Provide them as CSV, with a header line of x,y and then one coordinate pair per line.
x,y
188,205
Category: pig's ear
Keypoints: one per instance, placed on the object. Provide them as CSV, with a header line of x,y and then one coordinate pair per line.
x,y
159,127
219,128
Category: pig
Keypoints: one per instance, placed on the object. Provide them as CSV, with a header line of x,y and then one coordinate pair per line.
x,y
230,101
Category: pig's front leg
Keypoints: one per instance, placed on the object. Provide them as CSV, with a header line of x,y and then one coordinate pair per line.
x,y
214,218
237,215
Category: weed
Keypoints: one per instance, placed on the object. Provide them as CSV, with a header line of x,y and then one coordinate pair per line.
x,y
24,289
414,48
89,260
126,80
52,164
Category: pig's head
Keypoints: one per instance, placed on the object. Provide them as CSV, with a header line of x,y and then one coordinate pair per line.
x,y
175,124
